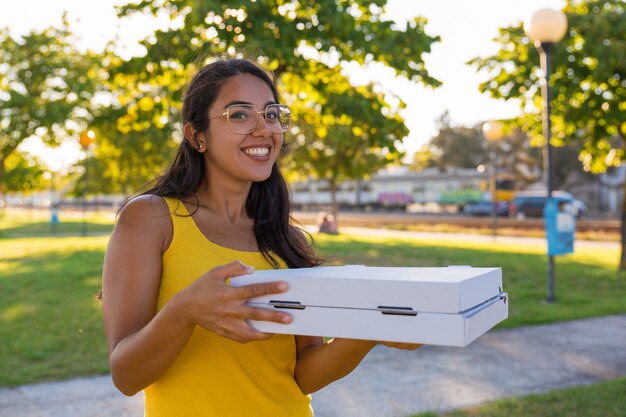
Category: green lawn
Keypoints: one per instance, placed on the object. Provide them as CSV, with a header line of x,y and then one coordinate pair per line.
x,y
51,327
605,399
34,222
50,323
588,283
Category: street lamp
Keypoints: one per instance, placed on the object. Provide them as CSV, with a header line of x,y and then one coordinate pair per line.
x,y
545,28
493,133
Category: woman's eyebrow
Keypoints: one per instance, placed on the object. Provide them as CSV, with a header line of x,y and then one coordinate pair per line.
x,y
234,103
237,102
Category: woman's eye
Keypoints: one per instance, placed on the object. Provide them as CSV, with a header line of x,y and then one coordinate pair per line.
x,y
271,115
239,115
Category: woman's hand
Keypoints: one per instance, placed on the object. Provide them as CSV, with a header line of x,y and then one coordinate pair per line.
x,y
215,306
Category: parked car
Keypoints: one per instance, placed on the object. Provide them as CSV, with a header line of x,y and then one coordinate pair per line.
x,y
532,204
483,208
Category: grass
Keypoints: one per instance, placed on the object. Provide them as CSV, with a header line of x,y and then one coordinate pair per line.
x,y
604,399
595,235
50,323
33,222
588,283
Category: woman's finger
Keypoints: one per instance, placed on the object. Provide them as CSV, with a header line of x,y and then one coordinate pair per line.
x,y
264,288
231,269
262,314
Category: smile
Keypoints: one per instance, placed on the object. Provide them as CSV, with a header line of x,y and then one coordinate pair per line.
x,y
264,151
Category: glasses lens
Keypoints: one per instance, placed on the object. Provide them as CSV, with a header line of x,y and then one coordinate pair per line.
x,y
242,118
278,117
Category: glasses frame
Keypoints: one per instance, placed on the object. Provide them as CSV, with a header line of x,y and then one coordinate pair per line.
x,y
283,129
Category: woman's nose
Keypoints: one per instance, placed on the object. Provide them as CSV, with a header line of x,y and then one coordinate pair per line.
x,y
262,127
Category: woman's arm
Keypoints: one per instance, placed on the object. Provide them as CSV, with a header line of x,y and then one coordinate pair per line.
x,y
143,344
321,363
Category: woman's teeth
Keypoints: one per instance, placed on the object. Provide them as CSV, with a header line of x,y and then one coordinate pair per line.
x,y
256,151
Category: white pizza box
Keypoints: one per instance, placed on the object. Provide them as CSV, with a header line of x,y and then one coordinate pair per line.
x,y
450,306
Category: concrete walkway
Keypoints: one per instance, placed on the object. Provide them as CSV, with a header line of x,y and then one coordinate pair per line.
x,y
389,382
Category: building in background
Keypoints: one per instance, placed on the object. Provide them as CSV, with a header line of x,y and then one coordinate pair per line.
x,y
449,190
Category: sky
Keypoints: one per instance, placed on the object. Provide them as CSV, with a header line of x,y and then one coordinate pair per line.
x,y
466,29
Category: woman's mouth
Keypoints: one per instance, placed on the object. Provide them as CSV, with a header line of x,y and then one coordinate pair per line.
x,y
258,151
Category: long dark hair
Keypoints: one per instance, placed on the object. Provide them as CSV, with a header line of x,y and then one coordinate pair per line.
x,y
268,202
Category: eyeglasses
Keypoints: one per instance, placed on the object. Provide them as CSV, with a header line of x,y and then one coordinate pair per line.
x,y
242,118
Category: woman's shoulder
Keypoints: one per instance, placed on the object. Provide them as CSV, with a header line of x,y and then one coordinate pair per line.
x,y
145,211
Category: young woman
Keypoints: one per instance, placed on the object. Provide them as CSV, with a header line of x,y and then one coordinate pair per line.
x,y
174,326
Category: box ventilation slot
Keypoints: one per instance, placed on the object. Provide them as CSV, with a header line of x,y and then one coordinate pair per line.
x,y
293,305
397,311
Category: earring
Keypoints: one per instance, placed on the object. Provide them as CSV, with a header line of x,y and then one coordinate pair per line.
x,y
200,146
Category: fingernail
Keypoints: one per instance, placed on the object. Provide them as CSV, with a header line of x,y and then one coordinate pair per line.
x,y
249,269
282,286
286,319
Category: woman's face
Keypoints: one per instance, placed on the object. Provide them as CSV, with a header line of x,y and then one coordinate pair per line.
x,y
243,157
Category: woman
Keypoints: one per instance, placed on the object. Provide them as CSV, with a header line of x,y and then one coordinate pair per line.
x,y
174,326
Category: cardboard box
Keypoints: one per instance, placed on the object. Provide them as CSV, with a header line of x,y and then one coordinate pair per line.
x,y
449,306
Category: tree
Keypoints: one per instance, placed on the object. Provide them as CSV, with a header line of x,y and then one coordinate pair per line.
x,y
457,146
340,131
134,135
23,172
588,81
519,159
422,158
467,147
46,87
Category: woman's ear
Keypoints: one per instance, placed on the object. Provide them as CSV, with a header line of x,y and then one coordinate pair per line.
x,y
195,138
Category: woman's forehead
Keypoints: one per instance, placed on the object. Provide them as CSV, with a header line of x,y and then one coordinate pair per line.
x,y
244,88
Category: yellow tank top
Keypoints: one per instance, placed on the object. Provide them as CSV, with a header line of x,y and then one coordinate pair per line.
x,y
215,376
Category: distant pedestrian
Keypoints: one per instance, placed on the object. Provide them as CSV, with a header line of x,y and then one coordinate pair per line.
x,y
326,223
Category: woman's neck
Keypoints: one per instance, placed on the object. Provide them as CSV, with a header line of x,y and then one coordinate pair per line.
x,y
225,201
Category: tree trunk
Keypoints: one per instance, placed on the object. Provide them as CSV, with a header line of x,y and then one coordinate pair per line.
x,y
334,207
2,202
622,261
2,187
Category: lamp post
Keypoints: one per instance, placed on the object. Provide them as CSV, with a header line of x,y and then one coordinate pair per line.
x,y
86,138
545,28
493,132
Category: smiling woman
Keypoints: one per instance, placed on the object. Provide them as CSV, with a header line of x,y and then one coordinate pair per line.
x,y
175,327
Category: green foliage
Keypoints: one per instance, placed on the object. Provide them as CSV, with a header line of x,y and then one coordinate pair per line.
x,y
340,131
467,147
46,88
422,158
458,147
136,128
516,157
588,80
23,173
